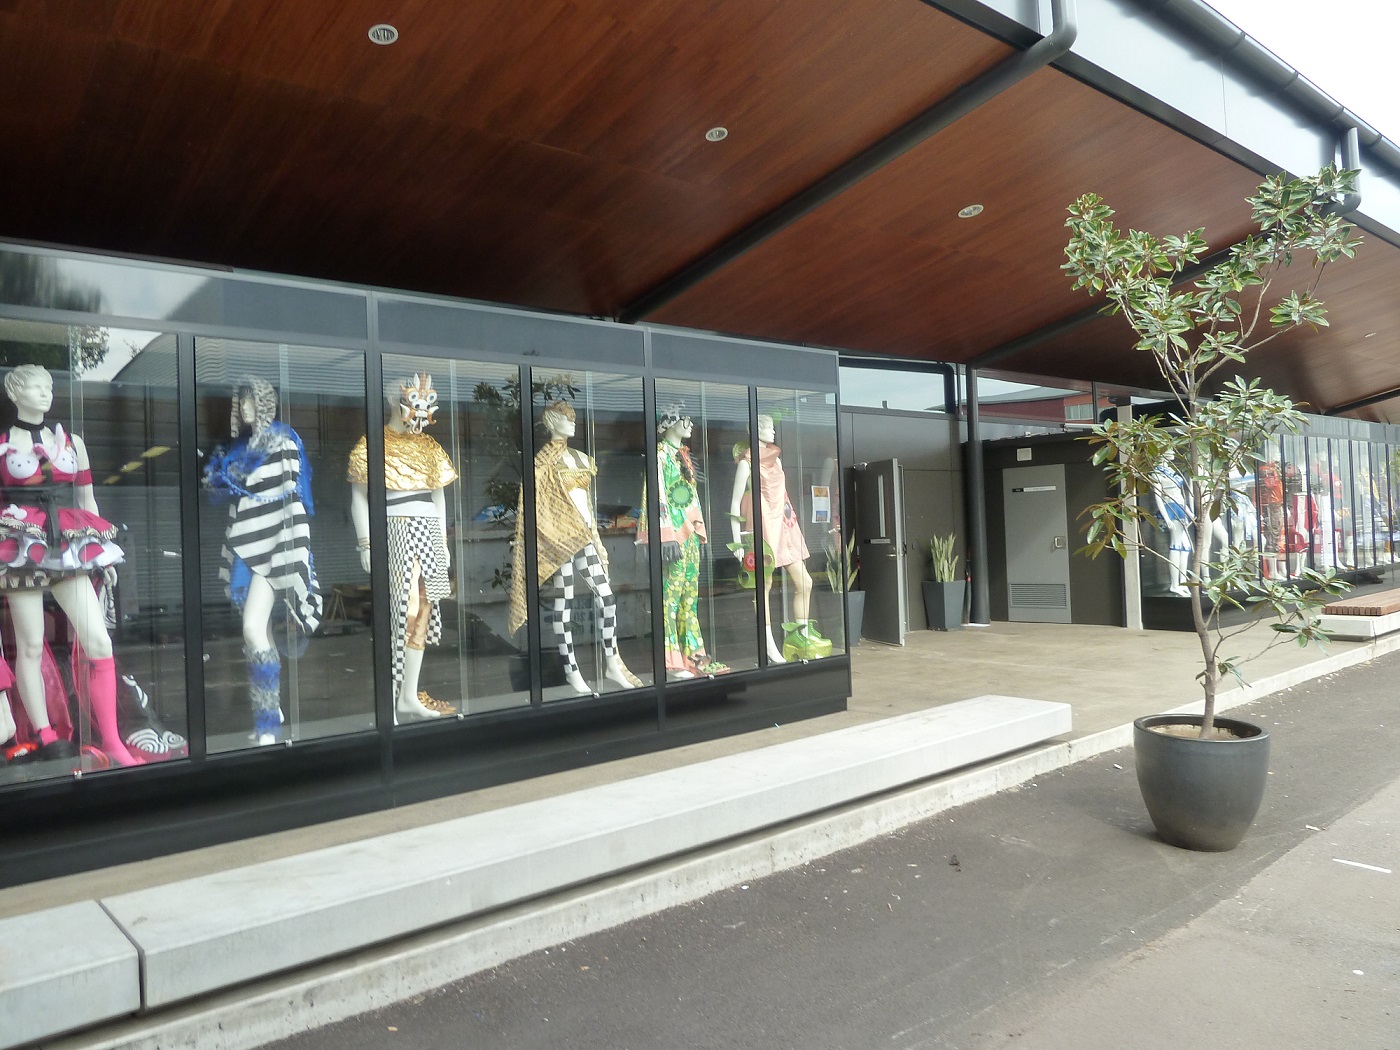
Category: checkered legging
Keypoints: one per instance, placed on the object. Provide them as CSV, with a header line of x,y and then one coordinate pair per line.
x,y
418,537
590,566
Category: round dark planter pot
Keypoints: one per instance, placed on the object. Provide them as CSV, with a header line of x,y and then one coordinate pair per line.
x,y
1201,794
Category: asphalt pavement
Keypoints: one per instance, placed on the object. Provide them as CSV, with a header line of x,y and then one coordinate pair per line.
x,y
1043,917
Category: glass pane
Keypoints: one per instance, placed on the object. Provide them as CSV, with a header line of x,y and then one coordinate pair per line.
x,y
800,521
1325,493
594,583
1268,497
1295,539
711,621
94,670
287,612
452,467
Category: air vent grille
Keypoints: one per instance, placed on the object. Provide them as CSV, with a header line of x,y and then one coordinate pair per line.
x,y
1040,595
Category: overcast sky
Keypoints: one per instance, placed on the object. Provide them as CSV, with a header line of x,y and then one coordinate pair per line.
x,y
1346,47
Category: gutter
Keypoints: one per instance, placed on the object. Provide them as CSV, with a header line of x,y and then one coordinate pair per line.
x,y
916,131
1245,53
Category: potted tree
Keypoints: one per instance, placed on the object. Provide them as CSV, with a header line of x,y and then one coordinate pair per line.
x,y
943,593
1202,777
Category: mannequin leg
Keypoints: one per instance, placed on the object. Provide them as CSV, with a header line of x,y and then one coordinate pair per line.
x,y
77,598
27,615
592,567
407,703
264,662
775,652
563,632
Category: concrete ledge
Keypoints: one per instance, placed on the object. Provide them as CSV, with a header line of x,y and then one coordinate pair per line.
x,y
1354,628
62,969
213,932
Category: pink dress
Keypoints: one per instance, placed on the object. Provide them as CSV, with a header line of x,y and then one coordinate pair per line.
x,y
43,535
782,530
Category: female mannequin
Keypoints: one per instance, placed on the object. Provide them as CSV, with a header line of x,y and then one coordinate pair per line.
x,y
682,535
267,548
567,541
47,544
782,533
416,471
1171,512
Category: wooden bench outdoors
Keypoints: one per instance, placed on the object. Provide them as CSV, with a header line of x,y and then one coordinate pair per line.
x,y
1380,603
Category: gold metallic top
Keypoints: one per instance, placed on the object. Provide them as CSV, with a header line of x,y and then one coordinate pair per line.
x,y
561,531
412,462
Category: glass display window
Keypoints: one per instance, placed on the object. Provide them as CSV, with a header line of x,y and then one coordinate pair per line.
x,y
452,470
92,628
287,612
595,605
800,521
709,615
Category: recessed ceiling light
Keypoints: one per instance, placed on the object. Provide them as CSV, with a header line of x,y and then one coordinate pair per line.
x,y
1368,335
717,134
383,33
970,211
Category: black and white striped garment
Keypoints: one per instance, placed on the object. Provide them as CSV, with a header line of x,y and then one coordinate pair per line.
x,y
270,531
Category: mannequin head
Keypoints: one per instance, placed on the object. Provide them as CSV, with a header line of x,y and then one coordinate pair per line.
x,y
30,387
254,406
560,420
766,429
673,425
417,403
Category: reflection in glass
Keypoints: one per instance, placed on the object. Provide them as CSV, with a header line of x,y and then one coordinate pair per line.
x,y
286,608
93,669
593,584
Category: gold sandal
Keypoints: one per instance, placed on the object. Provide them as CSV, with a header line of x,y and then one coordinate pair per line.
x,y
441,707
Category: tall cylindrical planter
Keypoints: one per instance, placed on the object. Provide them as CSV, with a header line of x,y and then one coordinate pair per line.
x,y
855,616
1201,794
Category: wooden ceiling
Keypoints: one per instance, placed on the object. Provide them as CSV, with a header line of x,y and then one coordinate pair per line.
x,y
554,155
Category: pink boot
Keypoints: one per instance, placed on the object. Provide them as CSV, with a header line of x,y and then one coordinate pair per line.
x,y
102,695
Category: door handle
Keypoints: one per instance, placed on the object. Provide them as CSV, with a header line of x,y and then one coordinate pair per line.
x,y
1060,544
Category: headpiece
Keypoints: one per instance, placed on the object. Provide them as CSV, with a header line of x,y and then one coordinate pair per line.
x,y
418,403
669,416
264,406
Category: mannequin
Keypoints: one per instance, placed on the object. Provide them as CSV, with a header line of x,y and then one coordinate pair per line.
x,y
416,471
567,542
682,536
267,547
782,534
1326,491
1299,520
1171,512
1269,491
48,544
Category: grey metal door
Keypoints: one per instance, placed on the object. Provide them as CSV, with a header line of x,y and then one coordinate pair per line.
x,y
880,528
1037,544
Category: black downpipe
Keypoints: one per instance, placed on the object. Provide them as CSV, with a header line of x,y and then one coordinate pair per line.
x,y
976,508
928,123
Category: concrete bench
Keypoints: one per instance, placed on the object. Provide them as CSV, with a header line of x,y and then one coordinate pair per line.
x,y
63,969
1379,603
1362,618
215,931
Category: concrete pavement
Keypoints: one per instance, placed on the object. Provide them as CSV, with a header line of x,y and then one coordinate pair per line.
x,y
1045,917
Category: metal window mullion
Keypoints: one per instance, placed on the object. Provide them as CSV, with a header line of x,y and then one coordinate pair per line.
x,y
187,430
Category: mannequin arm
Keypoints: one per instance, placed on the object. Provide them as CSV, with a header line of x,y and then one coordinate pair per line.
x,y
743,472
84,495
359,515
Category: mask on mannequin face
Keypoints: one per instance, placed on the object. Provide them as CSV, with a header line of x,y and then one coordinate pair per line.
x,y
559,419
418,404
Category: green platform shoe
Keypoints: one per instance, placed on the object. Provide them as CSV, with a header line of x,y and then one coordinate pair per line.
x,y
802,641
